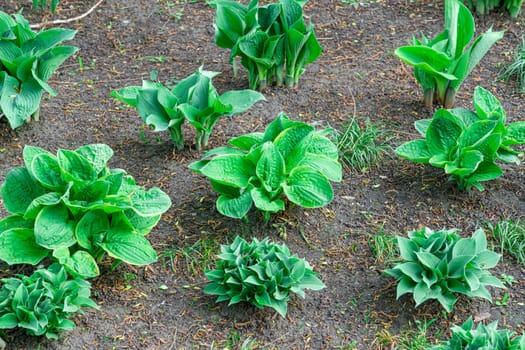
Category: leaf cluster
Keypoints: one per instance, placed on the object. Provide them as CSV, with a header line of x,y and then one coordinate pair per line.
x,y
273,41
44,302
517,68
40,4
75,208
27,61
289,157
483,7
194,99
444,62
465,143
262,273
482,337
435,265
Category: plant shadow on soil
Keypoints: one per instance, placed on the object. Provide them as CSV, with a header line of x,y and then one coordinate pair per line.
x,y
162,306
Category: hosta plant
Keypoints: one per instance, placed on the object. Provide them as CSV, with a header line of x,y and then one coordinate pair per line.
x,y
290,158
262,273
27,61
436,265
443,63
40,4
487,337
273,41
484,6
194,99
44,302
73,208
467,144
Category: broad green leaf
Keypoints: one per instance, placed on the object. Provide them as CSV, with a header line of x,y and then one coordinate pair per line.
x,y
308,188
480,239
290,137
407,248
75,167
232,170
49,63
411,269
128,246
247,141
447,300
425,59
15,221
148,104
91,228
443,132
516,132
270,167
263,202
415,150
404,286
241,100
486,104
330,168
81,264
234,207
152,202
47,172
128,95
141,224
312,282
54,228
465,246
97,154
8,321
460,26
47,39
51,198
476,133
422,126
457,265
29,153
428,260
19,190
487,259
18,101
18,246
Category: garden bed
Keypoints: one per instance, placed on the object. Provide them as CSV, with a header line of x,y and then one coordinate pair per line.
x,y
162,306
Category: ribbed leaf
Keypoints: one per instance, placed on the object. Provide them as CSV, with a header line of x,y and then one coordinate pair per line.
x,y
415,150
132,248
53,227
308,188
19,190
18,102
234,207
18,246
233,170
153,202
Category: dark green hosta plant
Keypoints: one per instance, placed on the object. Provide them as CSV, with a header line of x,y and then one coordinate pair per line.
x,y
466,144
484,6
443,63
273,41
435,265
44,302
27,61
75,209
290,158
261,273
194,99
482,337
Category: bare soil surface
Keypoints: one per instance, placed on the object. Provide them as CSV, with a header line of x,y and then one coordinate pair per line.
x,y
162,306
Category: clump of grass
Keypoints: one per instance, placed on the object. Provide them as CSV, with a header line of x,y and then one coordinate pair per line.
x,y
197,257
516,68
409,339
510,237
362,147
384,247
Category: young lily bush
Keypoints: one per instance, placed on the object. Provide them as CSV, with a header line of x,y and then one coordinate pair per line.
x,y
290,158
74,209
262,273
194,99
27,61
435,265
467,144
273,41
443,63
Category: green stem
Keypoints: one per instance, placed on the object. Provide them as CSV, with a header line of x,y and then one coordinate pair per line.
x,y
36,115
176,136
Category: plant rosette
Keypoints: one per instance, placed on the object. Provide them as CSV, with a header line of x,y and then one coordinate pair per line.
x,y
262,273
290,159
75,209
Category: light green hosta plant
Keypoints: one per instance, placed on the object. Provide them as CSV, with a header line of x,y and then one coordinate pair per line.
x,y
482,337
435,265
75,209
443,63
484,6
261,273
466,144
194,99
44,302
27,61
290,158
273,41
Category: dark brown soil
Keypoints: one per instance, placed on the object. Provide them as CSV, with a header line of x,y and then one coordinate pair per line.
x,y
123,41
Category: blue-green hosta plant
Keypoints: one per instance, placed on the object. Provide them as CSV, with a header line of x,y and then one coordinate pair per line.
x,y
194,99
483,337
290,158
27,61
73,208
484,6
273,41
44,302
262,273
443,63
466,144
436,265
